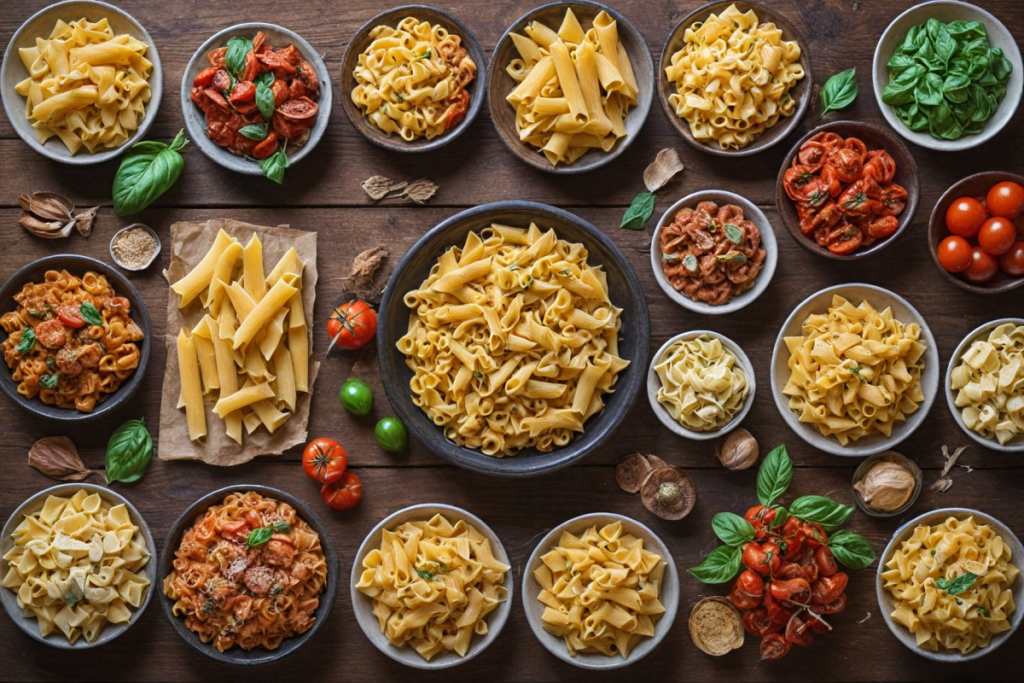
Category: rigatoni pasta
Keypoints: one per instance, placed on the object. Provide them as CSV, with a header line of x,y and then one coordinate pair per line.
x,y
988,382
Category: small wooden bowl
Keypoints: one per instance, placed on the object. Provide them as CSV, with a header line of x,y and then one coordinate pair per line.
x,y
501,84
875,137
977,186
801,92
361,40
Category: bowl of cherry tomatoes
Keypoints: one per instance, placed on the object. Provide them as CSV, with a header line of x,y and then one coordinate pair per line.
x,y
976,232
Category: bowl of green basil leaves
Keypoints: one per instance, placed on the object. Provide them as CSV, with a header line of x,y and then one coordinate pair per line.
x,y
947,75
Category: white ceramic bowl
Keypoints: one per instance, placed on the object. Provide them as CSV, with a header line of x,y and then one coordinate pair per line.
x,y
947,11
885,600
13,71
10,599
880,299
152,233
751,213
1014,445
669,592
362,605
654,384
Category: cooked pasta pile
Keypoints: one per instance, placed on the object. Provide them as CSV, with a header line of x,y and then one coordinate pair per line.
x,y
951,585
433,584
989,384
512,341
702,385
77,565
86,85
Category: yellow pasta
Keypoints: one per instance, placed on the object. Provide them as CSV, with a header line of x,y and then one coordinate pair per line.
x,y
191,390
703,386
989,384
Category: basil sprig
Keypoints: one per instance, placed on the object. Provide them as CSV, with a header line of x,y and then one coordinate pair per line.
x,y
732,529
774,476
639,212
720,566
839,91
851,549
234,58
958,585
274,166
90,314
129,452
262,534
147,171
28,341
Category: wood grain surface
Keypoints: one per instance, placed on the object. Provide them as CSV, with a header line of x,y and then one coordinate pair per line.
x,y
323,194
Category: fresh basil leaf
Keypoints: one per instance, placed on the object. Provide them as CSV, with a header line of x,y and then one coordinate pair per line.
x,y
839,91
851,549
966,30
955,86
129,452
254,131
429,576
781,515
732,529
731,256
669,257
900,90
733,233
266,78
265,100
259,536
958,585
821,510
51,363
28,341
720,566
147,171
638,212
928,92
274,166
774,476
899,63
90,314
234,58
690,263
982,610
49,381
283,527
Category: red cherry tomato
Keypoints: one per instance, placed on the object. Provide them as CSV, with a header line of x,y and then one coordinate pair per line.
x,y
828,588
798,631
352,325
774,646
777,612
324,460
997,235
757,623
965,216
954,254
744,601
794,590
750,583
761,518
824,561
983,266
344,493
814,534
788,570
834,607
70,316
817,625
1012,262
1005,200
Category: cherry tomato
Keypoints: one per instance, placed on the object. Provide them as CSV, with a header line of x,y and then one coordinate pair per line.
x,y
761,518
965,216
1005,200
757,623
352,325
954,254
774,646
814,534
816,624
788,570
71,316
301,109
794,590
809,572
743,601
343,494
797,631
324,460
761,558
1012,262
983,266
834,607
750,583
828,588
777,612
997,235
825,562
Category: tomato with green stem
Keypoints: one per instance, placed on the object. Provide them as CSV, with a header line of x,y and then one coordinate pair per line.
x,y
324,460
352,325
344,493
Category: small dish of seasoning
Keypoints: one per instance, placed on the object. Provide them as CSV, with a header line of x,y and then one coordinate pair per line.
x,y
886,484
135,247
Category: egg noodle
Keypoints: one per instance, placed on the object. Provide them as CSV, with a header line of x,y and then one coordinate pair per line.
x,y
702,384
512,341
989,384
951,585
733,75
77,565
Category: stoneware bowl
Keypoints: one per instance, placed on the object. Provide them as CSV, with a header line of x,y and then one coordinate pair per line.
x,y
78,265
624,289
152,233
669,594
867,463
13,71
654,384
881,299
361,40
885,600
236,655
801,92
1014,445
504,115
10,599
750,213
947,11
976,186
362,604
195,120
875,137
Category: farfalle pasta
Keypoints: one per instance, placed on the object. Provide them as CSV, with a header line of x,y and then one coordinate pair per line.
x,y
703,386
988,382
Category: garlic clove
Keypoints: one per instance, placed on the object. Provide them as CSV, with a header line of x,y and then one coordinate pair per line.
x,y
40,227
51,206
84,220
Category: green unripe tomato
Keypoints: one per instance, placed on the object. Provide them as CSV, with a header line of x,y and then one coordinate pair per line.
x,y
391,435
356,396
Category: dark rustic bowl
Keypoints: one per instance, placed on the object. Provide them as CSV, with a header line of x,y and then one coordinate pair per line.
x,y
78,265
237,655
504,116
875,137
801,92
624,289
361,40
977,186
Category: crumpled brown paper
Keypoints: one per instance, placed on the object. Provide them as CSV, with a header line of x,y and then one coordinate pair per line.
x,y
189,243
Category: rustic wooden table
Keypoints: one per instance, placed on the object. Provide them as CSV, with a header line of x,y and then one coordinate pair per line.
x,y
323,194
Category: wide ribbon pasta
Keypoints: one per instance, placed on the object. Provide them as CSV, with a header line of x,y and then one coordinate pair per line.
x,y
989,384
702,385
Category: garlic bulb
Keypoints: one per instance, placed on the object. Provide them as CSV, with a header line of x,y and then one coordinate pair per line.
x,y
886,486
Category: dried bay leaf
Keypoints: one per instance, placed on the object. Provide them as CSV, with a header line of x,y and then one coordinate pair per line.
x,y
57,458
365,265
377,187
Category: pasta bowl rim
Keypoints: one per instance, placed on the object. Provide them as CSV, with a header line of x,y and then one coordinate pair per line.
x,y
885,601
140,314
110,631
237,656
918,14
876,443
654,383
369,624
195,120
598,662
1015,445
751,212
14,104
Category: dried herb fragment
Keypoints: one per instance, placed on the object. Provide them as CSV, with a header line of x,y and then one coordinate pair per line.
x,y
365,265
57,458
662,169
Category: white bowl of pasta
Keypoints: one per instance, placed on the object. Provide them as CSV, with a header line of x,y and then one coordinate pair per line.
x,y
448,541
80,586
945,574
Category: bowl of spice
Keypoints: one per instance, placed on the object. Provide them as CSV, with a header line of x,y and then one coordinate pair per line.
x,y
135,247
886,484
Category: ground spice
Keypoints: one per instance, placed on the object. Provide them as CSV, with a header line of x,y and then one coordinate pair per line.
x,y
134,248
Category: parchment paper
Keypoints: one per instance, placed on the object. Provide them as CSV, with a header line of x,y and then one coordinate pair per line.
x,y
189,243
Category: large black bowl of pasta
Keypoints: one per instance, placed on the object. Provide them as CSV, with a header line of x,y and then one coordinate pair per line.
x,y
513,339
76,338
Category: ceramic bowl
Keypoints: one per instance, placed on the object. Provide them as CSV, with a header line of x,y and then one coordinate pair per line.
x,y
625,291
78,265
501,84
881,299
751,213
654,384
236,655
977,186
866,464
947,11
1014,445
40,25
885,600
195,120
801,92
361,40
152,233
10,599
669,594
362,604
875,137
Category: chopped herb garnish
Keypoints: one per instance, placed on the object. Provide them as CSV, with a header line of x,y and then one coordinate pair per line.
x,y
425,575
48,381
959,601
36,314
28,341
669,257
478,374
983,611
733,233
398,97
73,596
958,585
568,566
51,362
639,584
690,263
208,605
933,553
732,256
855,369
276,590
566,272
514,266
425,55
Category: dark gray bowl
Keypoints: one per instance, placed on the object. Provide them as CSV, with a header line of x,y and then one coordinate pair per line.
x,y
77,265
624,289
237,655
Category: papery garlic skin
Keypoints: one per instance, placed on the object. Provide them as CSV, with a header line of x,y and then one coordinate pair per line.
x,y
887,486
